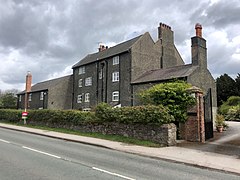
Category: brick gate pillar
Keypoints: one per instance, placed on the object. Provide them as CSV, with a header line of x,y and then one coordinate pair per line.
x,y
193,129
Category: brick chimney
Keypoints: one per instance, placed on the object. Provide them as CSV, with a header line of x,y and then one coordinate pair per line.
x,y
102,48
199,50
28,89
28,82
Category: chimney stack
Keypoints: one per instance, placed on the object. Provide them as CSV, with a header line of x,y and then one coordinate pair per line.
x,y
28,89
165,34
102,48
199,48
198,28
28,82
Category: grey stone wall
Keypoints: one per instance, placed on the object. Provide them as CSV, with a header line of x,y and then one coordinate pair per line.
x,y
60,94
165,134
102,89
144,56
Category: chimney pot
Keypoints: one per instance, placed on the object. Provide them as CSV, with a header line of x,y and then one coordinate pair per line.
x,y
198,28
101,48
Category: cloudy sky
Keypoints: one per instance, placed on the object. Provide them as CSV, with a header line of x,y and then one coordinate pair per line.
x,y
47,37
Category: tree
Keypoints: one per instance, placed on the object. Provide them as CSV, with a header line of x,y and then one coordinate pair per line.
x,y
172,95
226,87
237,80
8,101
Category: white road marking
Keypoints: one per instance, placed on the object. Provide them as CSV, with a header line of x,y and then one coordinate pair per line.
x,y
5,141
41,152
58,157
114,174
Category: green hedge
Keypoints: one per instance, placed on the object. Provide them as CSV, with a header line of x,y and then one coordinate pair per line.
x,y
104,113
134,115
10,115
56,118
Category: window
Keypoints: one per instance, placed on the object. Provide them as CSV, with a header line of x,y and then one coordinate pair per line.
x,y
20,98
30,97
101,74
88,81
115,60
115,96
80,83
81,70
41,95
115,76
79,98
87,97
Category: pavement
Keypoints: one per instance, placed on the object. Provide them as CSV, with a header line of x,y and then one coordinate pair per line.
x,y
220,153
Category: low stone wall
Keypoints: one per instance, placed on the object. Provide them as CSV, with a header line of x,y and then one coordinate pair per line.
x,y
165,134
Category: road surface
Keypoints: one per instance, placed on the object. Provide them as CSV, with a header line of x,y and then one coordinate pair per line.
x,y
26,156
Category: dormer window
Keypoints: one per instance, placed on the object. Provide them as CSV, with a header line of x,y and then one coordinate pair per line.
x,y
115,60
81,70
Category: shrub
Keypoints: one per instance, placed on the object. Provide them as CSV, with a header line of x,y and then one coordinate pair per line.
x,y
61,118
229,104
233,114
134,115
104,113
10,115
172,95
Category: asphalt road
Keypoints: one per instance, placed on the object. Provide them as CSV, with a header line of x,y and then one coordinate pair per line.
x,y
27,156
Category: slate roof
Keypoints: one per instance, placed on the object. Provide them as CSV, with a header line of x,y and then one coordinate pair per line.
x,y
47,84
119,48
166,74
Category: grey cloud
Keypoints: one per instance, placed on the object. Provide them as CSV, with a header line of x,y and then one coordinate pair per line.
x,y
51,35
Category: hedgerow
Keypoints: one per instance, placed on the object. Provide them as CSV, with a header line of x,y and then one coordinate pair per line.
x,y
103,113
148,114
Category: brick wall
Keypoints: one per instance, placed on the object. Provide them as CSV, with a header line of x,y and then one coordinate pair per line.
x,y
193,129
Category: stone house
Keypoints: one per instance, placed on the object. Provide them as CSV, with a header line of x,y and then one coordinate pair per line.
x,y
51,94
115,75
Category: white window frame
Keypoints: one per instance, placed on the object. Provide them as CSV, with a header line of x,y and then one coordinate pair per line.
x,y
80,82
88,81
41,96
30,97
87,97
100,74
79,98
81,70
20,98
115,76
115,60
115,96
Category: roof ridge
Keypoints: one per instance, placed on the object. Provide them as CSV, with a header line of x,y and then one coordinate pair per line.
x,y
53,79
111,51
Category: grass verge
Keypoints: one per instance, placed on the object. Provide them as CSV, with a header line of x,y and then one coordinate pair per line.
x,y
118,138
